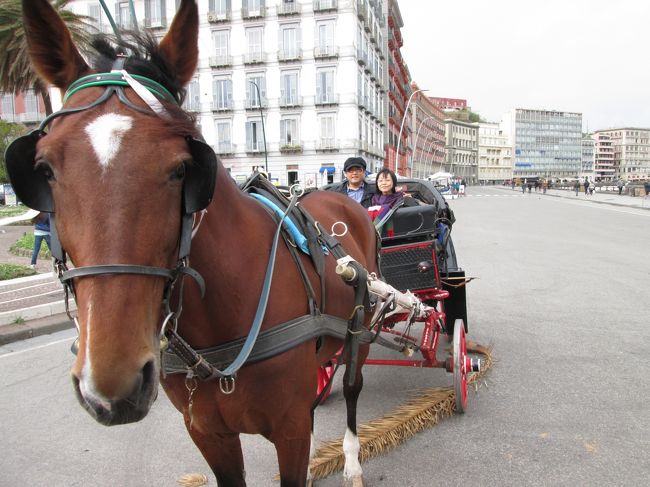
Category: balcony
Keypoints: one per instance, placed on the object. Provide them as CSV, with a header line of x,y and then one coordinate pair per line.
x,y
155,23
192,106
290,101
324,99
220,61
327,144
325,52
325,5
254,58
221,106
224,148
288,8
255,104
291,148
216,17
361,57
258,13
255,146
29,117
289,54
362,10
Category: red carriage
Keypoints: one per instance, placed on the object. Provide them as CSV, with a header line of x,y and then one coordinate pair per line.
x,y
418,259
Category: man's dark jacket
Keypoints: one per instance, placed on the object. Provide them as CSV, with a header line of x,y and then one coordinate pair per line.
x,y
368,192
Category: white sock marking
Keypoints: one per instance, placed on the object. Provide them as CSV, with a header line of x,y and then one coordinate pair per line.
x,y
351,449
106,136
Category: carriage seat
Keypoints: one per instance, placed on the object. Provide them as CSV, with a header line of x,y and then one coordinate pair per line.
x,y
412,224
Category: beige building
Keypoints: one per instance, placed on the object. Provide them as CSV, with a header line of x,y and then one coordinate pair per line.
x,y
629,148
494,154
461,149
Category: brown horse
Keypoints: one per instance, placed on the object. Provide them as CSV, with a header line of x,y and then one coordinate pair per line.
x,y
119,171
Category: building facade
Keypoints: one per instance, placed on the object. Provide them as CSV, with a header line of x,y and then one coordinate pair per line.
x,y
587,169
426,123
461,149
604,169
494,154
293,87
25,108
548,143
630,151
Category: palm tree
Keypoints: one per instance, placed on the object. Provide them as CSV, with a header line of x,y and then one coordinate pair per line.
x,y
16,71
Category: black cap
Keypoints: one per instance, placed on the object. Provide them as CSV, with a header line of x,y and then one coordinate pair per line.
x,y
354,162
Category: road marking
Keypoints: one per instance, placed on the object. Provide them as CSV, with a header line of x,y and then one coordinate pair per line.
x,y
37,347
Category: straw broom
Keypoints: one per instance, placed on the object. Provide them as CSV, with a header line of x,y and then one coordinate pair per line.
x,y
382,434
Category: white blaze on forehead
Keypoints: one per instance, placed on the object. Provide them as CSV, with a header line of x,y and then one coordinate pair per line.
x,y
105,135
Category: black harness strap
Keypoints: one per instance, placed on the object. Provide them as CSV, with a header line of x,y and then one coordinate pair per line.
x,y
269,343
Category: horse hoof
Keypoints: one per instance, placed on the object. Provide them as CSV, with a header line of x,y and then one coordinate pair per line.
x,y
356,481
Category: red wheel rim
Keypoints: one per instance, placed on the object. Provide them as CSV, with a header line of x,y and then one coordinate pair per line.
x,y
460,366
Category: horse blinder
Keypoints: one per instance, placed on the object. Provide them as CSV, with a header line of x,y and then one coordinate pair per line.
x,y
200,176
30,184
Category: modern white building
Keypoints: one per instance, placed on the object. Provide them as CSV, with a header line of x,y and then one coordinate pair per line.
x,y
494,154
294,87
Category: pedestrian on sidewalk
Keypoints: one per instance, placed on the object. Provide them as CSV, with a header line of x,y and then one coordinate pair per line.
x,y
586,184
592,188
620,187
576,186
41,232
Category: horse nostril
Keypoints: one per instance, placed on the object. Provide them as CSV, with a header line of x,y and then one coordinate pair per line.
x,y
148,375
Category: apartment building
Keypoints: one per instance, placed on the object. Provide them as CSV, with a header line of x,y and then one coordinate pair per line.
x,y
461,149
587,169
604,169
494,154
426,143
25,108
629,149
293,87
548,143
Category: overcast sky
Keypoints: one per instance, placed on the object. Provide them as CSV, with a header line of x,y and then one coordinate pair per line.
x,y
585,56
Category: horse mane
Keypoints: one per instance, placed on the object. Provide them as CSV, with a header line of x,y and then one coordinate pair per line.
x,y
145,58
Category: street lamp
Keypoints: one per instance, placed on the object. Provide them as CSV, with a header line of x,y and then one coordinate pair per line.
x,y
406,109
417,135
259,100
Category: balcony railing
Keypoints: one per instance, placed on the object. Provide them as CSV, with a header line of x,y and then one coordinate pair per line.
x,y
257,13
253,57
288,8
289,54
255,104
31,117
257,146
327,144
221,106
292,147
220,61
326,99
290,101
214,17
322,52
325,5
224,148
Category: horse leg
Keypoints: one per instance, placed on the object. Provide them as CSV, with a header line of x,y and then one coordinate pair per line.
x,y
293,450
223,454
352,473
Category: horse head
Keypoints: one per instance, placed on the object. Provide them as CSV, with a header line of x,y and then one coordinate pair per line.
x,y
120,169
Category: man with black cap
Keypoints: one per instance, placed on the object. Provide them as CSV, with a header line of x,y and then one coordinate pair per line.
x,y
354,185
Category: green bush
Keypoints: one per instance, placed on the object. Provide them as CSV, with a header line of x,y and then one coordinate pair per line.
x,y
6,211
26,243
12,271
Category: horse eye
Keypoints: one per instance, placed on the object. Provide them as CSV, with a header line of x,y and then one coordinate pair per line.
x,y
179,172
45,169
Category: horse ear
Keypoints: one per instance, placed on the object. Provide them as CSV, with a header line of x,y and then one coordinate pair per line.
x,y
50,46
181,43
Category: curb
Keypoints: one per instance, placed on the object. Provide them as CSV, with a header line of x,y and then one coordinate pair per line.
x,y
28,279
43,326
35,312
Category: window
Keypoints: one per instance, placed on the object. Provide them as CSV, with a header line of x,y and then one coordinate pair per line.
x,y
31,102
252,94
219,7
8,104
289,89
289,42
325,39
154,13
123,15
192,101
221,42
254,136
224,142
289,131
254,43
324,86
222,93
327,132
98,17
292,177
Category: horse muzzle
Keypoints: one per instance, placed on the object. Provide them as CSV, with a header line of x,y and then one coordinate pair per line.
x,y
129,409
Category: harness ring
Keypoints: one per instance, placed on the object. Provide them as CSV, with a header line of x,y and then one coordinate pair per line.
x,y
345,231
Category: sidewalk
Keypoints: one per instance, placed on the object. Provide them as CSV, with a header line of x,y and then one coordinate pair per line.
x,y
41,295
604,198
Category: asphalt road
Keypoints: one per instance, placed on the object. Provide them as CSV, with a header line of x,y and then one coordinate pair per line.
x,y
562,298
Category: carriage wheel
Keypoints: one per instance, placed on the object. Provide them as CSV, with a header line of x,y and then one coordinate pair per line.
x,y
325,373
462,365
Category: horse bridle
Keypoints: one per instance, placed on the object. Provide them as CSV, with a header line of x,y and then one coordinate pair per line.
x,y
32,187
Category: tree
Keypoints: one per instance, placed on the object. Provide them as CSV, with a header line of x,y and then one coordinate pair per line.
x,y
16,71
8,132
